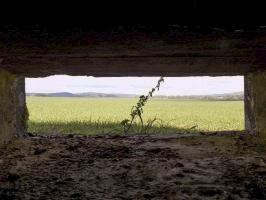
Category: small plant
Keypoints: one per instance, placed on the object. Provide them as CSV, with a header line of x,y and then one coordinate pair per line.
x,y
137,110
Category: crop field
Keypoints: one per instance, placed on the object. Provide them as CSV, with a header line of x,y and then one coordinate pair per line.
x,y
103,115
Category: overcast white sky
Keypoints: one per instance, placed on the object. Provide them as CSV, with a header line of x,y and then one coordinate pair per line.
x,y
135,85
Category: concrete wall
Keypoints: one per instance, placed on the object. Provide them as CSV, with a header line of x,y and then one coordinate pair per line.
x,y
12,106
137,51
255,103
129,51
13,115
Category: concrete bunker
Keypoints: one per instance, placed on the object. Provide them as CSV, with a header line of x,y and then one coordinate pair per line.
x,y
119,51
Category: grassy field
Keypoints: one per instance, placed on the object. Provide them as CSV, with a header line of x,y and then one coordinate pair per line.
x,y
103,115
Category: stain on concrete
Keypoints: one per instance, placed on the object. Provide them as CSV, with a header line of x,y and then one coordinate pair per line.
x,y
12,106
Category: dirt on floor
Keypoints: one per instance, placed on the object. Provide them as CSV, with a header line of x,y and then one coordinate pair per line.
x,y
133,167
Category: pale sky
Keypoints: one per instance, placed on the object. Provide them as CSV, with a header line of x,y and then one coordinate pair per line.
x,y
135,85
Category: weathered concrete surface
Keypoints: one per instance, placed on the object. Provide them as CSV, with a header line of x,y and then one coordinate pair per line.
x,y
141,51
255,102
132,167
248,106
12,105
134,51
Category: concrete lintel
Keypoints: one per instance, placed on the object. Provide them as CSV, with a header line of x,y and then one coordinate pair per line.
x,y
170,52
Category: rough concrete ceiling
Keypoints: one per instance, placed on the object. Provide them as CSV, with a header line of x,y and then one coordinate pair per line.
x,y
128,50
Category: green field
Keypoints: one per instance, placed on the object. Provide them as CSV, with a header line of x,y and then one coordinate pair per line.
x,y
103,115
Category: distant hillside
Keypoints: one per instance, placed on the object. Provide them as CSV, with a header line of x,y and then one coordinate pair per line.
x,y
59,94
85,94
226,96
